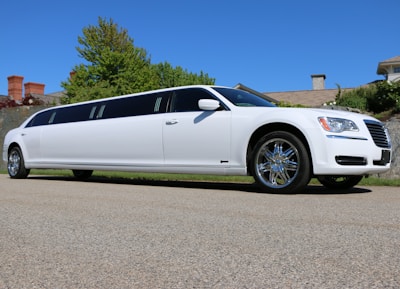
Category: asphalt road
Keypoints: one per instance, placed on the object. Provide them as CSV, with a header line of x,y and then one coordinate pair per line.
x,y
61,233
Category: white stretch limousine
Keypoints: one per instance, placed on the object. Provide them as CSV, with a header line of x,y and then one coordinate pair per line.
x,y
202,130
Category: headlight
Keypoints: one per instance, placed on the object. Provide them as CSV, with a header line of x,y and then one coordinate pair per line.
x,y
332,124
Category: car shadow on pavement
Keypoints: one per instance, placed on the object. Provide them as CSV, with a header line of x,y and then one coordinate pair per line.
x,y
226,186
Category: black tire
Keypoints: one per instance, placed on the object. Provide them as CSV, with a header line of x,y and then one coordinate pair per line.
x,y
82,174
339,182
16,164
280,163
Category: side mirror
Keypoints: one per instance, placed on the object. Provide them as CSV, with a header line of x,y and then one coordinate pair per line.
x,y
209,104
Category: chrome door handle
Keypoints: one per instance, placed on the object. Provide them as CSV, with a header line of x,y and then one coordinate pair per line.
x,y
172,121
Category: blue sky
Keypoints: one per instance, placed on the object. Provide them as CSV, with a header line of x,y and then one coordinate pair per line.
x,y
266,45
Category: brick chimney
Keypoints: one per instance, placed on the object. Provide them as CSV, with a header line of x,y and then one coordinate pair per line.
x,y
318,81
15,87
33,87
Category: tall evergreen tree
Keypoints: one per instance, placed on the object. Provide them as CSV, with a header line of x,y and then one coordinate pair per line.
x,y
114,66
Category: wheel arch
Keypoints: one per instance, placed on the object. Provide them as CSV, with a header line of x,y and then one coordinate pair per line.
x,y
16,163
13,145
271,127
16,144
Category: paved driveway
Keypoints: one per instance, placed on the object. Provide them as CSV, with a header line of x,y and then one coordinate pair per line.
x,y
59,233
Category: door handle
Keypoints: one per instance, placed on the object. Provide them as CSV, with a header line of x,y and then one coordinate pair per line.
x,y
172,121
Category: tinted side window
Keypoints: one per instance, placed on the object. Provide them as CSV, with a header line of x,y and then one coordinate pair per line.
x,y
123,107
188,99
137,105
41,118
72,113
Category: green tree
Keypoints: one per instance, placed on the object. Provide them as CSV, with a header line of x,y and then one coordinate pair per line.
x,y
169,76
113,65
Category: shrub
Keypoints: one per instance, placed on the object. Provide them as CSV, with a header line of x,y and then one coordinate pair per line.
x,y
379,97
387,97
356,98
288,104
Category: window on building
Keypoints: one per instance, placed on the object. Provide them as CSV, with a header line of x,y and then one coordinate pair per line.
x,y
396,69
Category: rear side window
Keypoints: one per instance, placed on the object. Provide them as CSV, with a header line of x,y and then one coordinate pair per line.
x,y
119,107
72,113
41,118
134,106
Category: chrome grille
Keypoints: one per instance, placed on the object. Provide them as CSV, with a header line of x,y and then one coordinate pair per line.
x,y
379,133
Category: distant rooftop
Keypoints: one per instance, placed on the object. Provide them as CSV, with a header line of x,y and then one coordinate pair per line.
x,y
310,98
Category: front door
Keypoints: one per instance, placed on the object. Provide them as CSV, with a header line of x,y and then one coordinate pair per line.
x,y
194,138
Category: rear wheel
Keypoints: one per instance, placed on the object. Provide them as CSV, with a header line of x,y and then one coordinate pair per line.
x,y
82,174
339,182
16,164
280,163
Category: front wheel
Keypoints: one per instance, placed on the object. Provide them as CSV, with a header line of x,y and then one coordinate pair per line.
x,y
16,164
339,182
280,163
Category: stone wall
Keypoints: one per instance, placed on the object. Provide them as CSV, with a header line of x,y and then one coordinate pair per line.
x,y
393,126
13,117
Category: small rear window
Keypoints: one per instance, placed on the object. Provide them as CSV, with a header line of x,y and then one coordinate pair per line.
x,y
41,118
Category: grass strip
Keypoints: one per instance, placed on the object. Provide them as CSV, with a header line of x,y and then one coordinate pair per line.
x,y
368,181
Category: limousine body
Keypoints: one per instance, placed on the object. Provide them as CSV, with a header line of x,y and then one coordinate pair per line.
x,y
202,130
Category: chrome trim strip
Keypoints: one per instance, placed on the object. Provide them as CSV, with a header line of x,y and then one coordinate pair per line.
x,y
346,137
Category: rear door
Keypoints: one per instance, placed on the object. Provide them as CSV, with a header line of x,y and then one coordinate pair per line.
x,y
121,132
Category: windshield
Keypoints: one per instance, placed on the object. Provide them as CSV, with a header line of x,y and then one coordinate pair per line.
x,y
243,98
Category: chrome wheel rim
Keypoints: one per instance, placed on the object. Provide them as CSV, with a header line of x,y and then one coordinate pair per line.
x,y
14,161
278,163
